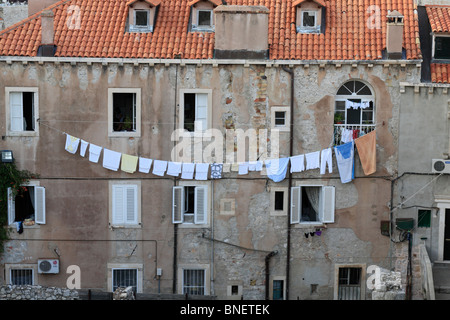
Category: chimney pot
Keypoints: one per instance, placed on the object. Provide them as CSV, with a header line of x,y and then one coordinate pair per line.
x,y
47,27
394,35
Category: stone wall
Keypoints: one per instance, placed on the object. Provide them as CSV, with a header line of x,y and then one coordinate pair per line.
x,y
11,14
27,292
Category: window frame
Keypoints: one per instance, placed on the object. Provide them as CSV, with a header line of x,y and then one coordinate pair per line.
x,y
11,202
23,133
306,29
323,217
122,266
198,222
138,112
362,279
287,118
22,266
207,274
435,36
196,132
273,191
136,185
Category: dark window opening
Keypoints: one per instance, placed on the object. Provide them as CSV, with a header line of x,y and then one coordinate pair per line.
x,y
189,204
28,111
124,106
141,18
194,282
310,203
279,200
280,118
424,218
24,206
21,277
349,276
189,111
234,290
309,19
278,289
123,278
442,48
204,18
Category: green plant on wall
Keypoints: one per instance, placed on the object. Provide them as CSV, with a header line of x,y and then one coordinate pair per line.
x,y
10,177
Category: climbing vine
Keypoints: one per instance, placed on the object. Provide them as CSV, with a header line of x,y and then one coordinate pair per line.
x,y
10,177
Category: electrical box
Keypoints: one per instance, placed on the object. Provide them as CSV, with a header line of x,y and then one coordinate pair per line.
x,y
159,272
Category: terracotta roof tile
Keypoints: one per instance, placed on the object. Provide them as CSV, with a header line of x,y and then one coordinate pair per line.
x,y
440,73
439,17
103,24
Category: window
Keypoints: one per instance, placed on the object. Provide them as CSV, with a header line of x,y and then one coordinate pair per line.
x,y
190,204
278,200
21,277
424,218
27,206
22,113
354,110
123,275
278,290
204,18
309,21
194,281
141,18
124,112
312,204
125,204
442,47
349,283
280,118
194,111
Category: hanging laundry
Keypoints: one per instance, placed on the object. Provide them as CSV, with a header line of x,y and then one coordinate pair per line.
x,y
159,167
235,167
312,160
144,165
243,168
216,170
71,143
365,104
277,168
83,147
201,171
367,146
187,171
174,168
255,165
94,152
297,163
346,136
226,167
352,105
355,134
111,159
326,159
345,161
129,163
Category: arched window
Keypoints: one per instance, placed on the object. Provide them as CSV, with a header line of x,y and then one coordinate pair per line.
x,y
354,111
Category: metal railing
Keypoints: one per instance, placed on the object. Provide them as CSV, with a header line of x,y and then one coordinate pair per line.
x,y
359,128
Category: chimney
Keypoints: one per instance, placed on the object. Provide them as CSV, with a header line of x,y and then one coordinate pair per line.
x,y
35,6
250,23
394,35
47,27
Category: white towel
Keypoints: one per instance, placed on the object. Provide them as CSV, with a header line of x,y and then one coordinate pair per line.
x,y
243,168
187,171
255,165
226,167
111,159
312,160
201,171
325,158
159,167
144,165
94,152
83,147
297,163
173,169
71,143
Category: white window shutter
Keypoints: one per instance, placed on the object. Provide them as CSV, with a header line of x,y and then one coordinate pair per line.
x,y
328,204
39,205
201,205
118,216
131,204
201,111
177,204
11,207
296,204
16,111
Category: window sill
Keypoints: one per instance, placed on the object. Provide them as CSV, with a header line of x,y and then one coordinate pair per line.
x,y
22,134
124,134
307,225
125,226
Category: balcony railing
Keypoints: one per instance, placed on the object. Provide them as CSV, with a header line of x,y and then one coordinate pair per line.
x,y
359,129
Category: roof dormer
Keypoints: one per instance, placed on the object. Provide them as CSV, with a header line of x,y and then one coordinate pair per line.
x,y
142,15
202,17
309,15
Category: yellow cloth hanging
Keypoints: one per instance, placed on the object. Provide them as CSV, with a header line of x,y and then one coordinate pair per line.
x,y
129,163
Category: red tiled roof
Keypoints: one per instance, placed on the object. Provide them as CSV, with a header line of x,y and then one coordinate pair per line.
x,y
439,17
297,2
153,3
102,32
440,73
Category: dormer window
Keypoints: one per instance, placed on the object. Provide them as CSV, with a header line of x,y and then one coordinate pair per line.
x,y
441,47
142,15
309,15
202,17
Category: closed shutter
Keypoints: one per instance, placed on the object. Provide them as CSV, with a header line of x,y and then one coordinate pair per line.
x,y
201,111
328,204
201,205
296,204
16,111
124,204
118,204
11,207
177,204
131,204
39,204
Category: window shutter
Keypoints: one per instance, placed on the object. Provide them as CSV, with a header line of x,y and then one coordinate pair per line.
x,y
118,204
201,205
39,203
11,207
201,111
177,204
296,204
131,204
16,111
328,204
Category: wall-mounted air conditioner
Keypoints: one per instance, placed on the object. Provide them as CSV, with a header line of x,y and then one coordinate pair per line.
x,y
48,266
440,166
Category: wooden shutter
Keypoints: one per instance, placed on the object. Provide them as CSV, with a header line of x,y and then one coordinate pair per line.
x,y
39,205
201,205
11,207
124,204
328,205
296,204
16,111
117,204
177,204
131,203
201,111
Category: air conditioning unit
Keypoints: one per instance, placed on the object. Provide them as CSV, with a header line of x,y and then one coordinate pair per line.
x,y
440,166
48,266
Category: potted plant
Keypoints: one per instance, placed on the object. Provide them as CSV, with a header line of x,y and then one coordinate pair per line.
x,y
338,118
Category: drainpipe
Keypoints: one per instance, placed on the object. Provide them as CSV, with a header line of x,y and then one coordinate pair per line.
x,y
175,225
291,146
270,255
